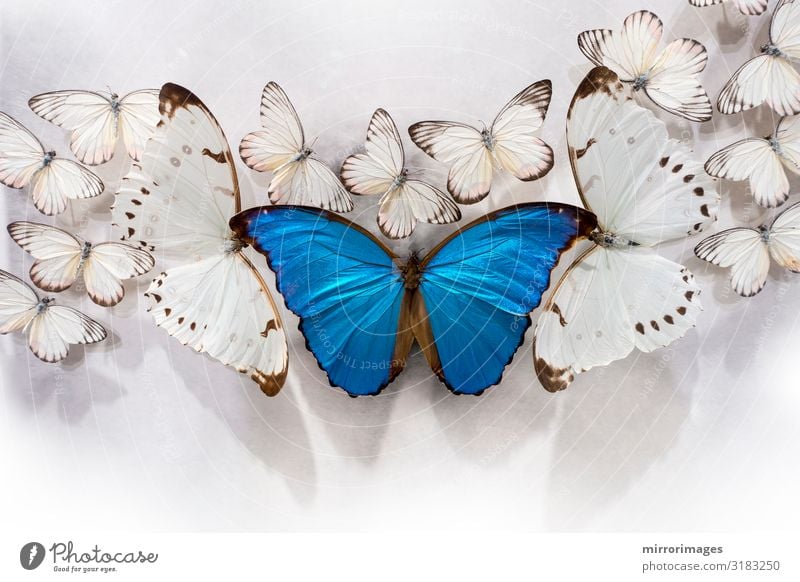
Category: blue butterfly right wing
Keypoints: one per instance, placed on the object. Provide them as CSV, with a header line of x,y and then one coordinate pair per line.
x,y
342,283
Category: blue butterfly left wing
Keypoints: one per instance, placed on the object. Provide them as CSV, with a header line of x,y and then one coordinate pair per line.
x,y
480,285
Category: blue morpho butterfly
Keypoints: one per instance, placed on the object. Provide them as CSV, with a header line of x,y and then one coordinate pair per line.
x,y
466,302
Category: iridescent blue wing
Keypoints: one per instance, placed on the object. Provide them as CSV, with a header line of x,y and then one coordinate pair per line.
x,y
480,284
342,283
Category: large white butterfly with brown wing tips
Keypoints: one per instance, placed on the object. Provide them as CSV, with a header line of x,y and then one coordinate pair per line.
x,y
61,256
53,181
297,176
747,251
97,121
645,189
507,144
669,78
770,77
178,200
763,162
50,328
746,7
381,170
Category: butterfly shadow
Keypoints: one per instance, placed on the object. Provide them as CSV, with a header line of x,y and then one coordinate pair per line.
x,y
614,425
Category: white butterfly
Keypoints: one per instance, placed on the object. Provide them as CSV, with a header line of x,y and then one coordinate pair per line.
x,y
381,170
50,328
747,7
97,121
747,251
669,78
179,200
297,177
645,189
53,181
763,162
770,77
508,144
60,257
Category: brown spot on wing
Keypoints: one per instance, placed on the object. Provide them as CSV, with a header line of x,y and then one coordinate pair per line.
x,y
640,328
271,326
557,310
220,157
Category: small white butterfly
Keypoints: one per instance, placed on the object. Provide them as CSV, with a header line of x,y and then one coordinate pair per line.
x,y
763,162
297,177
98,121
507,144
53,181
669,78
746,7
178,200
381,170
770,77
60,257
620,295
747,251
50,328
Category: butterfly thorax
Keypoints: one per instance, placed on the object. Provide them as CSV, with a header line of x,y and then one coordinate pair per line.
x,y
232,245
640,82
115,103
610,240
43,304
488,139
86,250
400,179
763,230
48,157
412,272
772,51
775,145
302,154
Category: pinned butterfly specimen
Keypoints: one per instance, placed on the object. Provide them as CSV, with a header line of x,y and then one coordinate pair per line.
x,y
381,170
669,78
770,77
645,189
507,144
52,181
747,251
178,200
746,7
60,257
297,176
97,121
763,162
466,303
50,328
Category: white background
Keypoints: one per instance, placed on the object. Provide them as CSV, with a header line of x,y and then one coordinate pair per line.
x,y
140,433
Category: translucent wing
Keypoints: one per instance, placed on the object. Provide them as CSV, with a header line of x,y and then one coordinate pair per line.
x,y
17,303
282,138
784,29
787,134
21,154
342,283
178,201
107,265
88,115
462,148
674,84
784,239
479,285
516,149
747,7
414,201
61,181
138,116
763,79
609,302
744,251
374,171
642,185
629,53
309,182
753,160
57,254
52,331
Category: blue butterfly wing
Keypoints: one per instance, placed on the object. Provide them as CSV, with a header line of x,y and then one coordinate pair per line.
x,y
342,283
480,285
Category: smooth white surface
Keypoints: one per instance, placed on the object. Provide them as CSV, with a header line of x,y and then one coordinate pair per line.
x,y
142,434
